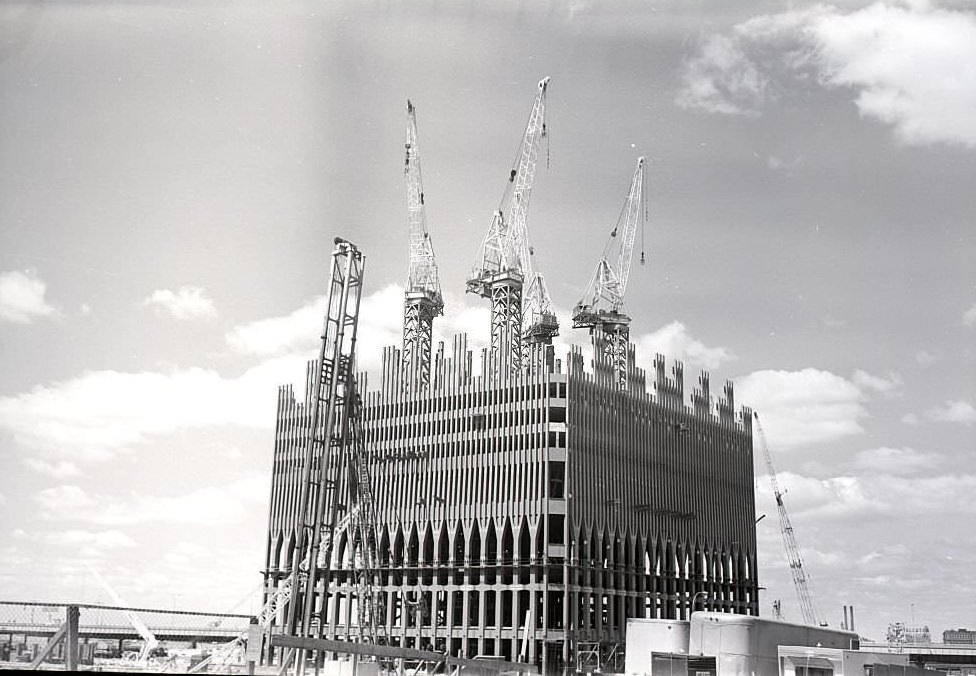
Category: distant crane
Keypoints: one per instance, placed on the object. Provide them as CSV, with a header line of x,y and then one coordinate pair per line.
x,y
422,299
504,266
800,580
149,640
602,307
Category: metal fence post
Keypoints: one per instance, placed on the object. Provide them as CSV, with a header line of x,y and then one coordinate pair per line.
x,y
71,639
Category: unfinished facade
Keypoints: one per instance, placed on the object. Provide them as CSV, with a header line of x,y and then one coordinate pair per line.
x,y
529,517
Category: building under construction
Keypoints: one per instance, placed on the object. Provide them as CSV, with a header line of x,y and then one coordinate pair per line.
x,y
521,506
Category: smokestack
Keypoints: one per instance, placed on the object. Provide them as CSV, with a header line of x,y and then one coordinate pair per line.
x,y
852,618
846,626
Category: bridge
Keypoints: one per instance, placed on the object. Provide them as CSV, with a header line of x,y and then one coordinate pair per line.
x,y
21,621
959,658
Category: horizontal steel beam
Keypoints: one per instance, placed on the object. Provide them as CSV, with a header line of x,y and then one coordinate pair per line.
x,y
393,652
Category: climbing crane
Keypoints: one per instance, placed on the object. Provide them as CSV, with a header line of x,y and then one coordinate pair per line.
x,y
334,400
602,307
800,580
422,298
504,264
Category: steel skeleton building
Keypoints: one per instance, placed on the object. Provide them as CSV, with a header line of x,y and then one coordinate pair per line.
x,y
530,517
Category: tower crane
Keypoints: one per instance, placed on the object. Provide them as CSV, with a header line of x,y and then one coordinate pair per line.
x,y
602,308
800,580
504,264
422,298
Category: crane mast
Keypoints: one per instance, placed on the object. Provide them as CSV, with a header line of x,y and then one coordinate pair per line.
x,y
602,308
504,264
422,298
800,580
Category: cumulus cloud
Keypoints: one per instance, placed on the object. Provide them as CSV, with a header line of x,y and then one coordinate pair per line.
x,y
299,332
902,61
212,505
381,324
800,408
187,302
887,386
674,342
874,495
957,411
925,358
101,413
90,542
22,297
61,469
898,461
969,316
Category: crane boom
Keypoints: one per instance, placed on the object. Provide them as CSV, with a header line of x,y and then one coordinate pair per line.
x,y
503,266
800,579
422,299
602,308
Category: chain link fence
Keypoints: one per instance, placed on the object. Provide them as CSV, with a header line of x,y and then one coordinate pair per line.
x,y
111,638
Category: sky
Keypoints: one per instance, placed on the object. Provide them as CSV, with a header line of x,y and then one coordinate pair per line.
x,y
172,176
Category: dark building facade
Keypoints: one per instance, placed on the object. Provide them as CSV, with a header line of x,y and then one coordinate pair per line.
x,y
528,518
959,636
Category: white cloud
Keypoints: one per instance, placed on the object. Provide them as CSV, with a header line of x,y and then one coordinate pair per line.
x,y
924,358
887,386
212,505
85,309
722,79
187,302
898,461
76,538
674,342
61,469
799,408
874,495
380,324
22,297
969,316
953,411
902,61
100,413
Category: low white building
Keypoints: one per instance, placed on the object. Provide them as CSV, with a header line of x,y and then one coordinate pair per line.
x,y
741,645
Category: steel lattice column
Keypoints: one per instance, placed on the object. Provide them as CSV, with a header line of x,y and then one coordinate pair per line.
x,y
616,337
506,326
418,326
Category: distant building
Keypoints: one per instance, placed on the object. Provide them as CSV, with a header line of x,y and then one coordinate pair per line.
x,y
806,661
959,636
899,632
